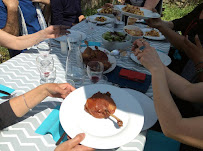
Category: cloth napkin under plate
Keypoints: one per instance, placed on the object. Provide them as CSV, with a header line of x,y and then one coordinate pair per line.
x,y
157,141
114,77
91,43
6,89
51,125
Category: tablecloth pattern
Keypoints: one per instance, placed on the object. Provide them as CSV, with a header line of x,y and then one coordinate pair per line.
x,y
21,74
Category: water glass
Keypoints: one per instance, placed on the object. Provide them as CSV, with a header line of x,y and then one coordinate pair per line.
x,y
44,48
95,71
91,27
44,61
47,75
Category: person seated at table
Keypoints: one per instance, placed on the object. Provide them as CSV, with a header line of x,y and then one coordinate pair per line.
x,y
190,24
186,130
66,12
20,105
18,43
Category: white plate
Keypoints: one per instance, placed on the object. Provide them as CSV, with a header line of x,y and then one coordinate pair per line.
x,y
109,15
64,38
147,105
166,60
102,133
161,37
111,59
147,13
92,19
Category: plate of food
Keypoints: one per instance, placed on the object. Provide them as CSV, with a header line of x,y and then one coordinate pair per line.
x,y
64,38
132,20
100,19
166,60
133,31
94,53
103,113
147,105
106,11
137,12
153,34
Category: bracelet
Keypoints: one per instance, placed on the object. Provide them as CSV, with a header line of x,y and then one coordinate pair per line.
x,y
199,70
198,63
26,102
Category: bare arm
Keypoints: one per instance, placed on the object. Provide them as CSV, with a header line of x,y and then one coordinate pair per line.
x,y
18,104
150,4
185,130
12,24
22,42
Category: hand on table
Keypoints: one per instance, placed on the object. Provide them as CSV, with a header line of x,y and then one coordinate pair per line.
x,y
73,144
58,90
149,57
194,52
55,31
136,46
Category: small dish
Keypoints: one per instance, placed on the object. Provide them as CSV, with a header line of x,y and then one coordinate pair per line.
x,y
134,32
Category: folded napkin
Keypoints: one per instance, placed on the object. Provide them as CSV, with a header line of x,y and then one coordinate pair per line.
x,y
157,141
5,88
141,86
51,125
132,75
91,43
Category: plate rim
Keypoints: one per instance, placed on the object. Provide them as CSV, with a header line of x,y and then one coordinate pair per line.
x,y
119,142
85,36
111,58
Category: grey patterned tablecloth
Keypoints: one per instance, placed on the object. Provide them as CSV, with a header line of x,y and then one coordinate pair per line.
x,y
21,74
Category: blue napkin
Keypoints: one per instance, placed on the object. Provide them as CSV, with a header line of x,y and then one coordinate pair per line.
x,y
91,43
114,77
5,88
157,141
51,125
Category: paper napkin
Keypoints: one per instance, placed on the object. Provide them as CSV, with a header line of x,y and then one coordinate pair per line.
x,y
5,88
51,125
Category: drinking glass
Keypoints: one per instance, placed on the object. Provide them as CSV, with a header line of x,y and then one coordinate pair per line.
x,y
47,75
44,61
44,48
91,27
95,71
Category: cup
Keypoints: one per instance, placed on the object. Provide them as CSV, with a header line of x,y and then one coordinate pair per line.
x,y
44,61
44,48
47,75
95,71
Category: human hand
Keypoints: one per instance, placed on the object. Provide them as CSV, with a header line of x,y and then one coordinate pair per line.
x,y
13,4
149,58
194,52
136,46
42,1
73,144
55,31
60,90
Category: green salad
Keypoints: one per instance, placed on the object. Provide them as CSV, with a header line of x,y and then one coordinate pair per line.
x,y
114,36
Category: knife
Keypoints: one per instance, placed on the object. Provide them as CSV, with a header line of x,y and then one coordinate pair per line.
x,y
4,92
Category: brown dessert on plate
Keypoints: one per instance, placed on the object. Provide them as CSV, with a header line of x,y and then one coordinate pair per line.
x,y
101,105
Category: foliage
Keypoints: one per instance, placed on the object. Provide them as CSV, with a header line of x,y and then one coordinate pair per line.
x,y
172,11
4,54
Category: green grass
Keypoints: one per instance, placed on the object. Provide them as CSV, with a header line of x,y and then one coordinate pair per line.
x,y
172,12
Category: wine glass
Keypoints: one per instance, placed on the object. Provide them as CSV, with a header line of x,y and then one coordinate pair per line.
x,y
44,48
95,71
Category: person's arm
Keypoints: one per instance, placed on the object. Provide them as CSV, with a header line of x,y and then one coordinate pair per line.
x,y
21,104
185,130
12,23
22,42
150,4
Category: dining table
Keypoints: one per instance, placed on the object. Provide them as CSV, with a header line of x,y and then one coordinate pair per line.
x,y
21,74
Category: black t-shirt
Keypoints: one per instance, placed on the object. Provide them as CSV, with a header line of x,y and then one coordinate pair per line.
x,y
7,116
191,24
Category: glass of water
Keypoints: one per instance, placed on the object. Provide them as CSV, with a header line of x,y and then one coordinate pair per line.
x,y
44,48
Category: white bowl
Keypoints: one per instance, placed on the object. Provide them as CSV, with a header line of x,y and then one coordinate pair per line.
x,y
136,30
116,44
